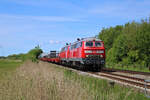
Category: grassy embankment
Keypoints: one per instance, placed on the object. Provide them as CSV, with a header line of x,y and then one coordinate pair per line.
x,y
10,63
44,81
8,66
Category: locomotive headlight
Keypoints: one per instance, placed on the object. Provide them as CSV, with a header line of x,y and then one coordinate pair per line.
x,y
101,56
100,51
87,55
88,51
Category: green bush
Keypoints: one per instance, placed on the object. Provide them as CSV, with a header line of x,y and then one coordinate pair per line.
x,y
128,44
31,55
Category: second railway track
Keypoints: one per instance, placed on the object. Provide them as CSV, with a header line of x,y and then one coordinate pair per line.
x,y
136,82
127,71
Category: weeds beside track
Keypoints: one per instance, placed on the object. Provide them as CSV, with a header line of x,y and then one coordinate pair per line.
x,y
45,81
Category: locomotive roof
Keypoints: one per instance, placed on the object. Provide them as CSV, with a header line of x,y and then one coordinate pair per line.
x,y
88,39
85,39
91,39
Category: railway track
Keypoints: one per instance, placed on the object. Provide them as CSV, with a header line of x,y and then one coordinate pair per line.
x,y
121,79
136,82
126,71
118,78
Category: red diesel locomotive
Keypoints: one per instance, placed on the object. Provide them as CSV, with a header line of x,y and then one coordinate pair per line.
x,y
87,53
84,54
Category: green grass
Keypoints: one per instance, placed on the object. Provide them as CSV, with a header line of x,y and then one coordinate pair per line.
x,y
103,90
45,81
7,66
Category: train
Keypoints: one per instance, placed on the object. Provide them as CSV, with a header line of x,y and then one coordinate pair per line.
x,y
83,54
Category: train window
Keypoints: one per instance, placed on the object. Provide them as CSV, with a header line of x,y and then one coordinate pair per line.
x,y
66,48
89,44
63,49
75,45
98,44
71,47
80,44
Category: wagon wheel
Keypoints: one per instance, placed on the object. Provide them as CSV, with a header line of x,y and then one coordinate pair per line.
x,y
99,68
83,67
96,68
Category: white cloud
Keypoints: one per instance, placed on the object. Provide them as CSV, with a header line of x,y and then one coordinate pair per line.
x,y
51,42
30,2
104,9
56,42
54,18
41,18
124,9
52,4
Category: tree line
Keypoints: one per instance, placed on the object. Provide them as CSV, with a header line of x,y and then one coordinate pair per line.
x,y
128,44
31,55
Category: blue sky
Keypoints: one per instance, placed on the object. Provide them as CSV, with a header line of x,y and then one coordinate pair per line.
x,y
51,23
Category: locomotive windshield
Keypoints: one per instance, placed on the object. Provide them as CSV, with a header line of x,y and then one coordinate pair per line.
x,y
89,44
98,44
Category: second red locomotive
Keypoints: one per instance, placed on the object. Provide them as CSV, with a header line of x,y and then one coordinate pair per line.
x,y
84,54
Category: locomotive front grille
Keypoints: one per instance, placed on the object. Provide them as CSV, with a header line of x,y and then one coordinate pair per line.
x,y
93,57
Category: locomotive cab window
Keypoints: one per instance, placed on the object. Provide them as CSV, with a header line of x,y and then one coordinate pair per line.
x,y
79,45
63,49
98,44
66,48
89,44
